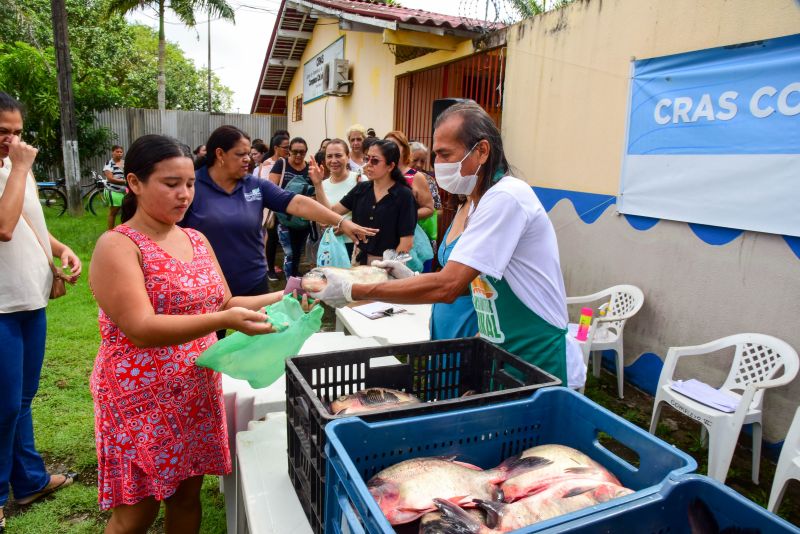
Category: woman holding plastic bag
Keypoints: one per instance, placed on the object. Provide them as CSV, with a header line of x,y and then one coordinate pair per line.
x,y
335,187
159,419
384,202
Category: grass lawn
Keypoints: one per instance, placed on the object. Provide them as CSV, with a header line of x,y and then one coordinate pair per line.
x,y
63,410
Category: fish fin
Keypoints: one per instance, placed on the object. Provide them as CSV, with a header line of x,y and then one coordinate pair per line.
x,y
580,490
494,511
343,411
465,464
701,520
515,466
456,520
580,470
468,393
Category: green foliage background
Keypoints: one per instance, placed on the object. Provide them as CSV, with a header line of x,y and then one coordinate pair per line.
x,y
114,64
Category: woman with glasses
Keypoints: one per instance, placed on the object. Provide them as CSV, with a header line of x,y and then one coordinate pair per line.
x,y
294,168
228,208
384,202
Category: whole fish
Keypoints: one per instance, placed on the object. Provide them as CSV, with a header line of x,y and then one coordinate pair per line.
x,y
525,475
316,279
371,399
559,498
406,491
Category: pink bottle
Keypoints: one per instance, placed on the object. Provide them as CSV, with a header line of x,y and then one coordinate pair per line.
x,y
584,323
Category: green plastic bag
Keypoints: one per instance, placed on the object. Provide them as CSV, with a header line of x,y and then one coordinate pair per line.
x,y
260,359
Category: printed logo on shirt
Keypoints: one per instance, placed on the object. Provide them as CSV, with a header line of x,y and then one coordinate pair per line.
x,y
253,196
484,296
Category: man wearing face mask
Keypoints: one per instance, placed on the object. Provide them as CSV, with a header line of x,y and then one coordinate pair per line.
x,y
507,257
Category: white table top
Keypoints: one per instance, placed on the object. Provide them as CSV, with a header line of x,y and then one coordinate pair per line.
x,y
408,327
255,403
244,404
270,503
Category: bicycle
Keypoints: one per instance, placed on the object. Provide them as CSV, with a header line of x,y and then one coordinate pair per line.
x,y
53,196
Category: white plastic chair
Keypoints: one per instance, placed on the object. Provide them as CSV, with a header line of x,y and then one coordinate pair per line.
x,y
788,464
757,360
623,302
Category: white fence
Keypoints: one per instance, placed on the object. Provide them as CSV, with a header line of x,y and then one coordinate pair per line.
x,y
191,127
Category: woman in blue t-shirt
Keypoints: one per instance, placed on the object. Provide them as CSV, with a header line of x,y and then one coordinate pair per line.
x,y
228,208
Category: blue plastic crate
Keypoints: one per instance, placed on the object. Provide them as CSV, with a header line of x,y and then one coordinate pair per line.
x,y
485,437
667,511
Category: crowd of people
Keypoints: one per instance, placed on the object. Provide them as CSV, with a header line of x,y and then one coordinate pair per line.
x,y
194,256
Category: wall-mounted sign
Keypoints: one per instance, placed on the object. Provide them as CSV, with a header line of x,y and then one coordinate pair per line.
x,y
714,137
312,70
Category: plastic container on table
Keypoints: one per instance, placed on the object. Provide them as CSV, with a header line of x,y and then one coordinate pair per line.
x,y
668,511
438,372
486,436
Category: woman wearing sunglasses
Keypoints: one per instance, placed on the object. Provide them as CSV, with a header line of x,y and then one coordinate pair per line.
x,y
292,235
384,202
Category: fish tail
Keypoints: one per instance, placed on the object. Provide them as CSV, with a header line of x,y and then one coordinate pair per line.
x,y
494,511
455,520
701,520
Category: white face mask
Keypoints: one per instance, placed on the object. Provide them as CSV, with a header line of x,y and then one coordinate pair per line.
x,y
448,176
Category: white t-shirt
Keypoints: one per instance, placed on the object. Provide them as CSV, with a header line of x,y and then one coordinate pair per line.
x,y
509,235
26,278
354,166
335,192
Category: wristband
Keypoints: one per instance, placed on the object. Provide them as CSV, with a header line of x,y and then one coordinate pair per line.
x,y
336,228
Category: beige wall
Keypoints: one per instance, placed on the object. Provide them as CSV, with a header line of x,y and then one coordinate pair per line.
x,y
564,117
370,102
566,86
373,70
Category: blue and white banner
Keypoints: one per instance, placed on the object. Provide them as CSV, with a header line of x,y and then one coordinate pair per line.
x,y
714,137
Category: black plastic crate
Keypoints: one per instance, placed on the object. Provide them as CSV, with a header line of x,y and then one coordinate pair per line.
x,y
440,373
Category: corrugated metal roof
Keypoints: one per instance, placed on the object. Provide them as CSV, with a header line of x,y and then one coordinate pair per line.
x,y
286,45
407,15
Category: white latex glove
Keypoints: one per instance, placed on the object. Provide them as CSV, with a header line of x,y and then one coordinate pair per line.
x,y
396,269
336,293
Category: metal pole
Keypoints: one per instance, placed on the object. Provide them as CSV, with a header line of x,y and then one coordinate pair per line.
x,y
209,63
69,128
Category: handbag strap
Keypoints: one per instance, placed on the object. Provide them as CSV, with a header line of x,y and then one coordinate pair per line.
x,y
53,267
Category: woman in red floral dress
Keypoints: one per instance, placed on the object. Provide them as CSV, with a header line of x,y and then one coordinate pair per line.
x,y
159,419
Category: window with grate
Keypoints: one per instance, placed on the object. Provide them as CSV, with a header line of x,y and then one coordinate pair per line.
x,y
297,108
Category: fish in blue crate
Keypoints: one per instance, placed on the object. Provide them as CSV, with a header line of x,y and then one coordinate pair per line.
x,y
537,484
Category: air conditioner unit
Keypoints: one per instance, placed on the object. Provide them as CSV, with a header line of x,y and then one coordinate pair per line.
x,y
335,77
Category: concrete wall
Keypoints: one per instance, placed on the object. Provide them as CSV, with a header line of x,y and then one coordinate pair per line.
x,y
564,121
567,76
373,70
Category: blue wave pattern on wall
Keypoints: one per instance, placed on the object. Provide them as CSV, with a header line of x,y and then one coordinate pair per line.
x,y
589,207
794,244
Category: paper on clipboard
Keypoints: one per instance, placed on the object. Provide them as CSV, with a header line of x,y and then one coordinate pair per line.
x,y
376,310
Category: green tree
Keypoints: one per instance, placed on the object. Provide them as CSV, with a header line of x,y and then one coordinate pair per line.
x,y
530,8
114,65
184,9
30,76
186,86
